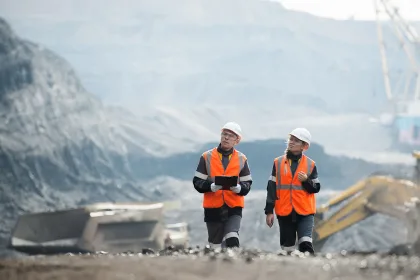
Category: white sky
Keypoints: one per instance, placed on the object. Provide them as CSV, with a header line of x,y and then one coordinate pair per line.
x,y
338,9
344,9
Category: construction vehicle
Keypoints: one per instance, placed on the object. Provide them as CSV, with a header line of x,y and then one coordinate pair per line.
x,y
399,198
402,86
108,227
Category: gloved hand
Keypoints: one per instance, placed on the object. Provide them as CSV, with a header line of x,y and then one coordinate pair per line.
x,y
215,187
236,189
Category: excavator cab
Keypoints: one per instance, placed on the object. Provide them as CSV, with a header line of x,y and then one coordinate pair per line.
x,y
397,198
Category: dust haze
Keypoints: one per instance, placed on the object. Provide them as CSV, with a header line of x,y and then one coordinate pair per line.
x,y
106,101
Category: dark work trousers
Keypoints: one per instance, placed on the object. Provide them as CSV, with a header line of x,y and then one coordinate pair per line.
x,y
225,233
295,224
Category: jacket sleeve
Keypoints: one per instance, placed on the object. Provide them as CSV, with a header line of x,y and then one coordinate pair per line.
x,y
201,180
271,192
245,179
312,184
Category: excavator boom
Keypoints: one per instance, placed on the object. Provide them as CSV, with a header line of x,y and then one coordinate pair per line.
x,y
376,194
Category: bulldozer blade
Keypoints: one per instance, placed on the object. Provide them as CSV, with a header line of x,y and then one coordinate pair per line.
x,y
109,227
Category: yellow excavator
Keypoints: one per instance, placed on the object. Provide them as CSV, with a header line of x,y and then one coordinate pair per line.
x,y
399,198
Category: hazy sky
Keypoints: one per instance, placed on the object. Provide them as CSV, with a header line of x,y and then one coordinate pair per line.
x,y
339,9
342,9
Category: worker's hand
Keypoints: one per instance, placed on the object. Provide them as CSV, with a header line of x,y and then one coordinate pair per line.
x,y
236,189
269,220
302,176
214,187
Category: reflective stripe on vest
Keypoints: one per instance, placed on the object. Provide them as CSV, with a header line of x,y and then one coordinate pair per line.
x,y
215,168
290,193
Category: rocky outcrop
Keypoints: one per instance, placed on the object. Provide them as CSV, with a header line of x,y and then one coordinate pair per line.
x,y
59,147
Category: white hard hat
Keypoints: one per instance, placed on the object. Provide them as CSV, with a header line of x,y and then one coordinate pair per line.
x,y
234,127
302,134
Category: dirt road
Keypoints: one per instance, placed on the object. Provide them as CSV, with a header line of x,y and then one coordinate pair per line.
x,y
198,265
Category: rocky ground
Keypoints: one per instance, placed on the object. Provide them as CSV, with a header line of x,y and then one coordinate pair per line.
x,y
205,264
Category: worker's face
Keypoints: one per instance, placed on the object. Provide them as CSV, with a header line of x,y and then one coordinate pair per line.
x,y
228,139
295,145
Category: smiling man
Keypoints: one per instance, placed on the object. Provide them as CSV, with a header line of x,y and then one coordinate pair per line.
x,y
223,207
291,192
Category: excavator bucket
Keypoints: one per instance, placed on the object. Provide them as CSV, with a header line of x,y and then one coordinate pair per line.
x,y
105,227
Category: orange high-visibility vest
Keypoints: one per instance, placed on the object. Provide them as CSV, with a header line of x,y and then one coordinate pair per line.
x,y
215,168
290,193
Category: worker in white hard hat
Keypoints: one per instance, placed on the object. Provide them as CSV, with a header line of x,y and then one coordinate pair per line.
x,y
291,193
223,204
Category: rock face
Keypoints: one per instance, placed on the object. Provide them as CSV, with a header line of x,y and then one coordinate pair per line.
x,y
58,145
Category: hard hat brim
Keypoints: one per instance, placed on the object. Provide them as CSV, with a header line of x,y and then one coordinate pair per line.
x,y
300,139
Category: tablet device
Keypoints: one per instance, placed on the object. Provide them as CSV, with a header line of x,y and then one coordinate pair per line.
x,y
226,181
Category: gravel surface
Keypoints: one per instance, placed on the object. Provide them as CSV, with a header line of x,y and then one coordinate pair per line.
x,y
206,264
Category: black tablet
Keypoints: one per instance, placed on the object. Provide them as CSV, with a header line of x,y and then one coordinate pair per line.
x,y
226,181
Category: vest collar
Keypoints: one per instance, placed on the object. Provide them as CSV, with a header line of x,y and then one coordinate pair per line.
x,y
223,152
293,157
